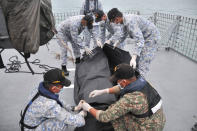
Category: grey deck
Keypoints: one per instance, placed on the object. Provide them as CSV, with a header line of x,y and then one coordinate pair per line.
x,y
174,76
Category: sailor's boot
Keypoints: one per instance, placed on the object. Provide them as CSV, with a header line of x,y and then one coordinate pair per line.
x,y
1,63
64,69
77,60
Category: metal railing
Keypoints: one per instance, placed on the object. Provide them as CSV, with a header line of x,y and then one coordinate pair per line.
x,y
178,33
62,16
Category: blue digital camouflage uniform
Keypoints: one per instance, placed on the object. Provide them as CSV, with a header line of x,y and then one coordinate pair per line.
x,y
95,31
114,33
91,6
146,37
49,115
69,31
120,114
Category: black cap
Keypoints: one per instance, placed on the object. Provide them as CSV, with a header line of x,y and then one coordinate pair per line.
x,y
122,71
99,14
56,76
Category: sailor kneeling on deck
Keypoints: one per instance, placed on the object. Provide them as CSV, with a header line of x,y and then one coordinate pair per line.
x,y
139,107
46,111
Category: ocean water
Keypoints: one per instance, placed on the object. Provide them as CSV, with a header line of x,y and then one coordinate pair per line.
x,y
146,7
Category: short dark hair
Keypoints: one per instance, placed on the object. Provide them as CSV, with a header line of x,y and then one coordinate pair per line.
x,y
113,13
89,20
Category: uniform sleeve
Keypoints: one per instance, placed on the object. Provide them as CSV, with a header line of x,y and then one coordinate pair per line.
x,y
123,34
102,33
130,102
69,118
94,34
74,34
119,124
118,34
87,37
137,36
55,111
114,32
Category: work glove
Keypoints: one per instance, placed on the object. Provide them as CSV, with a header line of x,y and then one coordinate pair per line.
x,y
97,93
86,106
83,113
116,44
88,51
79,106
108,41
133,61
99,44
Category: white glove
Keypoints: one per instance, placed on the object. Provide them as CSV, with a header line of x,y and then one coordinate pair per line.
x,y
97,92
116,44
83,113
86,106
99,44
88,51
133,61
108,41
79,106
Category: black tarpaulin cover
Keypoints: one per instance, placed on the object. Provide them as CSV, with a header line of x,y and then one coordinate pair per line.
x,y
29,23
4,37
116,56
93,73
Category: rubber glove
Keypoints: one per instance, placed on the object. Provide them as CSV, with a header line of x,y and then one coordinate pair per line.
x,y
116,44
99,44
86,106
88,51
79,106
83,113
133,61
108,41
98,92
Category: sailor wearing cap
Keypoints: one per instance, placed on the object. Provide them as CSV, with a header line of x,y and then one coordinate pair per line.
x,y
46,111
139,107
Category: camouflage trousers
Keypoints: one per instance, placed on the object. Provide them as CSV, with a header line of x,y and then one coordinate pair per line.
x,y
146,56
75,48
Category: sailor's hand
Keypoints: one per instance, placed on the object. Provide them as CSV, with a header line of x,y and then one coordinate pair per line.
x,y
99,44
79,106
108,41
86,106
133,61
54,30
88,51
97,93
116,44
83,113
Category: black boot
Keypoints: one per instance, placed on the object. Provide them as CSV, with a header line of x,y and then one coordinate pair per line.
x,y
1,63
77,60
64,69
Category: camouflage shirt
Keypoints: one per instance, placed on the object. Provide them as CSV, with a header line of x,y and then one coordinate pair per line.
x,y
141,30
120,114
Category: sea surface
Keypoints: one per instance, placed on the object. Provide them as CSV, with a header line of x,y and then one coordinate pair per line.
x,y
146,7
